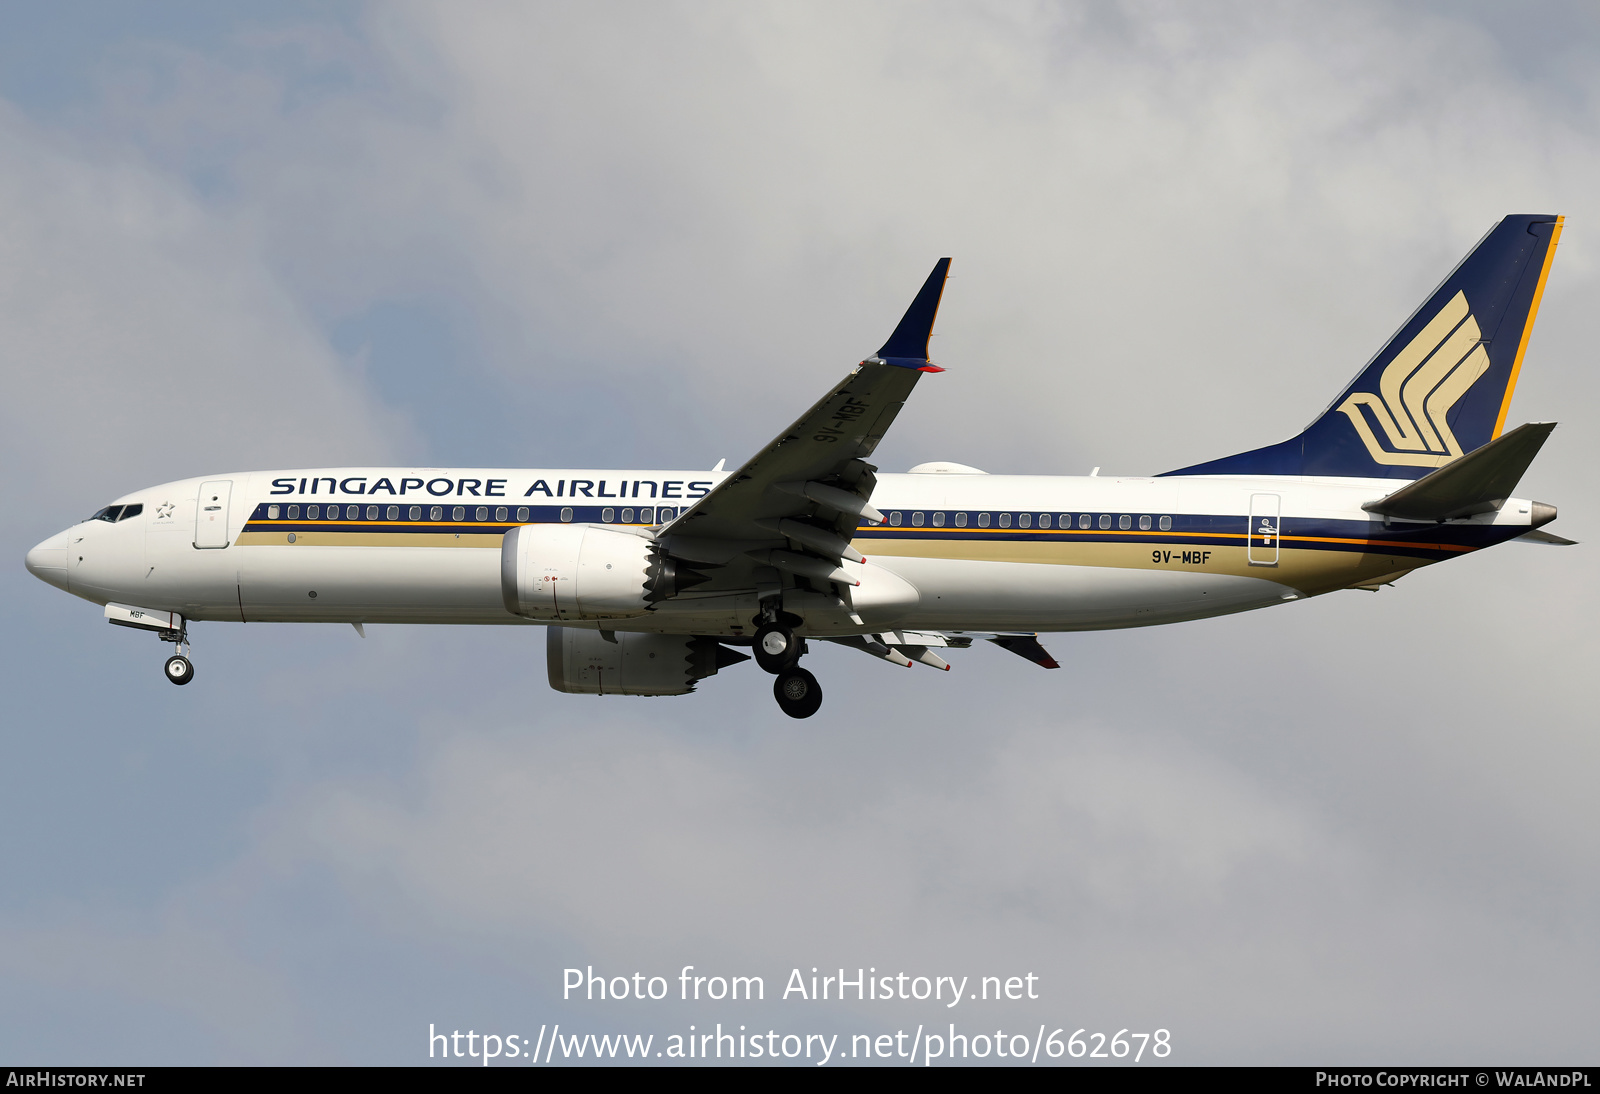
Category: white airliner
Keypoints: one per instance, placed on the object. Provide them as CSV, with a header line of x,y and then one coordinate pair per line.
x,y
649,581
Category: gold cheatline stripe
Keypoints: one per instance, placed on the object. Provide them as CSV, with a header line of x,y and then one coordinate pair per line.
x,y
1527,329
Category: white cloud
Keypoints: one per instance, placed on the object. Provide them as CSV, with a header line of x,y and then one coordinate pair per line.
x,y
144,338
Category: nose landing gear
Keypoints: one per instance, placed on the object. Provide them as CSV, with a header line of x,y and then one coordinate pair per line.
x,y
179,669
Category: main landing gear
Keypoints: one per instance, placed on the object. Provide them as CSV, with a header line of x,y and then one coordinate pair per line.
x,y
777,650
179,669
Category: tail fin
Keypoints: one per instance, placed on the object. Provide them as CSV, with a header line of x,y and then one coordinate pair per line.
x,y
1442,385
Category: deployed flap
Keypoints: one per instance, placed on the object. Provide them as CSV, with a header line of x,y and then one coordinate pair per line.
x,y
1479,482
807,490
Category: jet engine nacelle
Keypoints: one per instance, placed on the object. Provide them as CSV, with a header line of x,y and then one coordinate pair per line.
x,y
587,662
570,572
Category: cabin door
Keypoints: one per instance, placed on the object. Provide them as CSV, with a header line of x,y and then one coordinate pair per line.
x,y
211,514
1264,526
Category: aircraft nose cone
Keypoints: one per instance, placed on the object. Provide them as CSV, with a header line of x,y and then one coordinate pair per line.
x,y
48,561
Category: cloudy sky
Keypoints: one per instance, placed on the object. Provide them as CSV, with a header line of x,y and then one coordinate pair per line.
x,y
1361,828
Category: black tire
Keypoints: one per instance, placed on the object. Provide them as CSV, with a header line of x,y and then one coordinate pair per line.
x,y
784,656
798,693
179,669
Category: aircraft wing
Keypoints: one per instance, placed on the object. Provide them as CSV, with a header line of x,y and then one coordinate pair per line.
x,y
795,505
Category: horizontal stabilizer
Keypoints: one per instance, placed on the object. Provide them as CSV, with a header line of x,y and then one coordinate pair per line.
x,y
1548,538
1479,482
1027,645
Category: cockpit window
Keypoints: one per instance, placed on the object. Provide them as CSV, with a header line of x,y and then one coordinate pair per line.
x,y
131,511
109,514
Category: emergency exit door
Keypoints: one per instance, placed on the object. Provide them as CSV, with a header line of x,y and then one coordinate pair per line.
x,y
211,514
1265,525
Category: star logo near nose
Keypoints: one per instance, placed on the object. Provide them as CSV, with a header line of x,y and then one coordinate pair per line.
x,y
164,510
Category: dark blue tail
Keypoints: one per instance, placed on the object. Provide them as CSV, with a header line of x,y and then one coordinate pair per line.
x,y
1442,385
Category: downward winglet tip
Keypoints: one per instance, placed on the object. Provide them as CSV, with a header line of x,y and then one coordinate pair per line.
x,y
1050,664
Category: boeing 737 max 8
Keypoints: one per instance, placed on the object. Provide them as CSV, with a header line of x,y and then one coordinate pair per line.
x,y
649,581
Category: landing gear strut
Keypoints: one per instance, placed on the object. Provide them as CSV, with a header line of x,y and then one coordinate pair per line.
x,y
778,649
179,669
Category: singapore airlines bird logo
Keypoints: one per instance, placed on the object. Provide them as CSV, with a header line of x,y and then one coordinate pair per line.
x,y
1419,387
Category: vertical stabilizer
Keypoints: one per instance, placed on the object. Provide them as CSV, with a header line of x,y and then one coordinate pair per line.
x,y
1443,384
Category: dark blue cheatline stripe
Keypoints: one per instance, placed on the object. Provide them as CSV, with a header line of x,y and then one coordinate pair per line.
x,y
1433,541
261,521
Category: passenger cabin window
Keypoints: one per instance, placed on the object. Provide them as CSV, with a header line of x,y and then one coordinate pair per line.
x,y
522,512
916,520
1105,520
1044,520
1005,520
312,511
647,515
459,513
501,512
566,514
1066,520
294,512
1124,522
482,513
627,516
894,518
1144,524
665,513
394,512
961,520
983,520
938,520
272,512
1166,524
436,513
415,512
608,515
1024,520
1083,520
